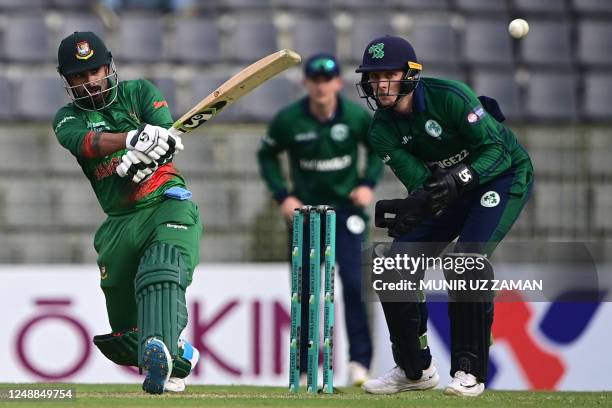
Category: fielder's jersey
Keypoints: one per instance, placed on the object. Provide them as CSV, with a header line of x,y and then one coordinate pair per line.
x,y
447,125
322,156
137,102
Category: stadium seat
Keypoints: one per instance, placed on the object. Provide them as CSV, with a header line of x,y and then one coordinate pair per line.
x,y
263,103
594,42
597,104
23,148
487,42
72,22
77,205
301,4
6,102
140,38
551,96
355,5
26,39
194,40
252,197
540,6
481,6
250,39
599,152
561,206
71,4
501,86
214,202
602,206
39,97
548,43
592,6
455,73
311,36
27,203
434,42
418,5
21,4
362,31
244,4
202,85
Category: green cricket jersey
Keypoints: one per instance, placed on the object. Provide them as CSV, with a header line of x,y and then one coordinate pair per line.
x,y
322,156
137,102
447,125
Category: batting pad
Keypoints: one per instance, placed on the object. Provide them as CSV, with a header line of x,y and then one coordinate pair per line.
x,y
120,348
160,286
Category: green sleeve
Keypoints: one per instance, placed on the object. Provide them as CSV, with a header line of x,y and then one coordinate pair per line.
x,y
482,133
374,166
411,171
269,164
70,130
153,105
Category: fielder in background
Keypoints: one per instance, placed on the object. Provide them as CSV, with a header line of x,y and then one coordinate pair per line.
x,y
321,134
468,178
148,246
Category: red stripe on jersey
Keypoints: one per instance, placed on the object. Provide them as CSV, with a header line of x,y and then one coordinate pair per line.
x,y
159,104
87,149
163,174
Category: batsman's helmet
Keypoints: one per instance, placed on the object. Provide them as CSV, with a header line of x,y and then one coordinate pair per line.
x,y
388,53
84,51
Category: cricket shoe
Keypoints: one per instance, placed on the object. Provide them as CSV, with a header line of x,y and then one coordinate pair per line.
x,y
395,380
157,363
464,385
358,374
191,354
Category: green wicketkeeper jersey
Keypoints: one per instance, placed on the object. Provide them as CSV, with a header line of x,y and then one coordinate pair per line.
x,y
447,125
137,102
322,156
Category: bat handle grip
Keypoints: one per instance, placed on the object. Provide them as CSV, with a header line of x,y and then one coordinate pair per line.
x,y
174,131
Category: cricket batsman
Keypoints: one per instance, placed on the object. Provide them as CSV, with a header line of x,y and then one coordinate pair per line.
x,y
468,179
321,133
148,246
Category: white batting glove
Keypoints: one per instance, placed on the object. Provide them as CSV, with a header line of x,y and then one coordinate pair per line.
x,y
137,165
154,141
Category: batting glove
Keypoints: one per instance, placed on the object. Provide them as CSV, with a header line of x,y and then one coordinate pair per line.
x,y
137,165
154,141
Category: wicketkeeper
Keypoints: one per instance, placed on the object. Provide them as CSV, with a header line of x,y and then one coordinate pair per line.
x,y
148,246
468,178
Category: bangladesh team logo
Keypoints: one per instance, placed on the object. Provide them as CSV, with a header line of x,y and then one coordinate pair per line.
x,y
490,199
433,128
83,50
377,50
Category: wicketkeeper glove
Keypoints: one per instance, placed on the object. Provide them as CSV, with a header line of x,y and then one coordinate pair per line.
x,y
408,213
154,141
445,185
137,165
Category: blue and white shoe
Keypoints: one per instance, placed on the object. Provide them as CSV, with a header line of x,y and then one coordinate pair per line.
x,y
157,363
190,353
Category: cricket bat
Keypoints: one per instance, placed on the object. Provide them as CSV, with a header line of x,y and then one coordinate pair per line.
x,y
235,88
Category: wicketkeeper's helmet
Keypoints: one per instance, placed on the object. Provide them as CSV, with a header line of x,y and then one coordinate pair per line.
x,y
388,53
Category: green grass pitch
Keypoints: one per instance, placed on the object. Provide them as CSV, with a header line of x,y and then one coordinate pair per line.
x,y
113,395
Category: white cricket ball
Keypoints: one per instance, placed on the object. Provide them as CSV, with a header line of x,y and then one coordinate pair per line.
x,y
518,28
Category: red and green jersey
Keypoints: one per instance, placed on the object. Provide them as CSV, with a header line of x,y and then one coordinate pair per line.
x,y
137,102
322,156
447,125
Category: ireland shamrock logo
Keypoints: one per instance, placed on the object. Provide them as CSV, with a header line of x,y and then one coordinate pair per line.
x,y
490,199
377,50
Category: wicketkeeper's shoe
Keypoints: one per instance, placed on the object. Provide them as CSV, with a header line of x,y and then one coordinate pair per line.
x,y
157,363
189,353
395,380
464,385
